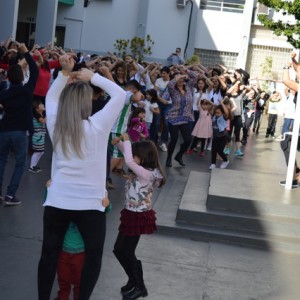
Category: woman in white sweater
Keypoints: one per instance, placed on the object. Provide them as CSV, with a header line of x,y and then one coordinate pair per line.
x,y
78,171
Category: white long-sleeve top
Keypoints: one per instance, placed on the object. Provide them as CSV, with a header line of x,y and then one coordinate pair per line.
x,y
79,183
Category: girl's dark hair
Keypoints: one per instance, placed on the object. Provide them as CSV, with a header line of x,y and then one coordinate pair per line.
x,y
165,69
267,96
217,71
153,94
205,84
226,102
220,107
147,152
135,114
15,74
36,103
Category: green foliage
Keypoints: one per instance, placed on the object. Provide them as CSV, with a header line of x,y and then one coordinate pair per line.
x,y
267,66
193,60
266,71
138,47
291,31
121,46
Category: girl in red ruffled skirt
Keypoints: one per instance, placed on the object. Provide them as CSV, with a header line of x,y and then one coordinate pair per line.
x,y
137,217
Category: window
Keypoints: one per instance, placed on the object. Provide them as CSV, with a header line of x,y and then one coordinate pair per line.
x,y
235,6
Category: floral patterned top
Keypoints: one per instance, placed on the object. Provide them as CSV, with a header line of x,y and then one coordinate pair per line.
x,y
140,184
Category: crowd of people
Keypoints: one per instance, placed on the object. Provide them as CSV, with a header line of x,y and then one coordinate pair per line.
x,y
104,112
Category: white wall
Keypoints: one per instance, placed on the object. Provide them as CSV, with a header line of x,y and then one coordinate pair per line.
x,y
167,26
221,31
96,27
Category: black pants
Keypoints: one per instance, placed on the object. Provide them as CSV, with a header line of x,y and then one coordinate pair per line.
x,y
174,132
91,224
271,124
124,251
237,124
247,124
195,142
217,147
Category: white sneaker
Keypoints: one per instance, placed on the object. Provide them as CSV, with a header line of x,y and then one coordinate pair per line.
x,y
163,147
224,164
212,166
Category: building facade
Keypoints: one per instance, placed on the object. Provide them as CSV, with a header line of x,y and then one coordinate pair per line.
x,y
220,31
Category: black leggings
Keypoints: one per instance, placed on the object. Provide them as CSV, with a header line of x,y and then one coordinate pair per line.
x,y
124,251
237,124
92,226
217,147
174,132
125,245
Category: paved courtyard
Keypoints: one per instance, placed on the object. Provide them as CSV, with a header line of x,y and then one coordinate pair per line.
x,y
175,267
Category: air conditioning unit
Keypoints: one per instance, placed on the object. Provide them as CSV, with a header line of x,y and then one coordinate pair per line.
x,y
181,3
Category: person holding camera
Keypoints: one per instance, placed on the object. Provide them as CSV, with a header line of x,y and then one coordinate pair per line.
x,y
175,58
16,122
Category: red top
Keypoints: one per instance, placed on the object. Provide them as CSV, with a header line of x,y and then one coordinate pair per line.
x,y
4,66
42,84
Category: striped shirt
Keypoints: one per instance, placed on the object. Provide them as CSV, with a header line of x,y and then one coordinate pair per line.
x,y
121,123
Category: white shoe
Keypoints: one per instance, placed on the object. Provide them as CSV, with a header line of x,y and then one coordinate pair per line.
x,y
212,166
224,164
163,147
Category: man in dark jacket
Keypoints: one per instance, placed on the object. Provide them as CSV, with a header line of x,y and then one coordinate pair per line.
x,y
16,121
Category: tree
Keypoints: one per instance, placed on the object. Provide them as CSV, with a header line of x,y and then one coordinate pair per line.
x,y
266,71
138,47
193,60
290,29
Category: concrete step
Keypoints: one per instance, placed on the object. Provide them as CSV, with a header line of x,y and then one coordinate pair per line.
x,y
193,210
254,194
209,234
280,230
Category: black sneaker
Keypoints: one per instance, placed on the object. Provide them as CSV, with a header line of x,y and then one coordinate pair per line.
x,y
11,200
38,169
294,183
33,170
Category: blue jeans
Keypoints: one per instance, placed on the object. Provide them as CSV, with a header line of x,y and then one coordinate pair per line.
x,y
257,119
287,124
17,143
164,109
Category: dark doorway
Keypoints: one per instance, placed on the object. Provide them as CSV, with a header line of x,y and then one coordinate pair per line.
x,y
60,32
25,33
